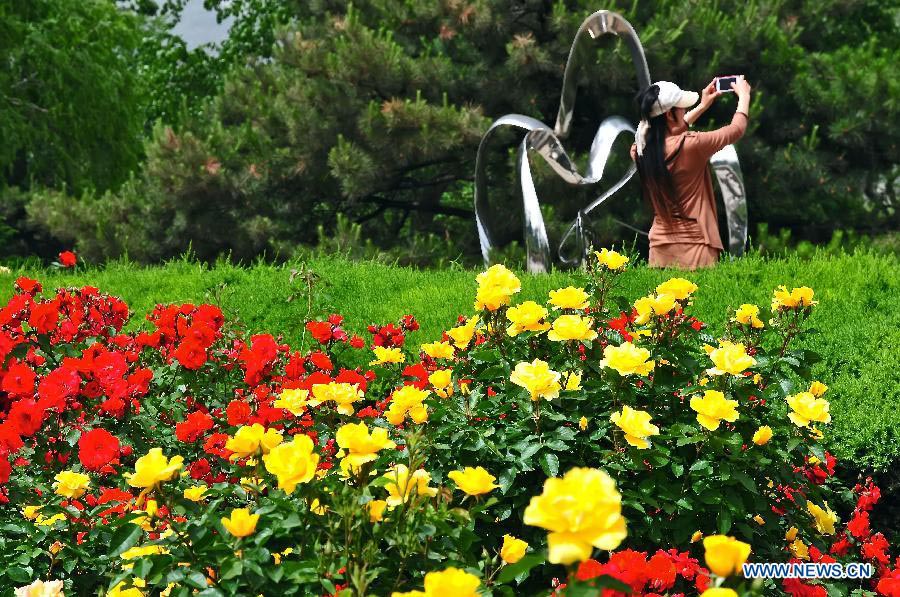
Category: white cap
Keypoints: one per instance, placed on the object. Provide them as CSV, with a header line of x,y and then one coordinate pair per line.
x,y
671,96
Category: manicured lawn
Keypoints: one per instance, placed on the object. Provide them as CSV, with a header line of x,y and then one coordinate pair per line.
x,y
858,316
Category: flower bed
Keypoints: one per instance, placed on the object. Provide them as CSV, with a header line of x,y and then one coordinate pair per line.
x,y
583,445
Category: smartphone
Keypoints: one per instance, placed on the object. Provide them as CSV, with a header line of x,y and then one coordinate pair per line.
x,y
724,83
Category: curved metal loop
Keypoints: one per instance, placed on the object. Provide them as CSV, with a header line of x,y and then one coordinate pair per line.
x,y
598,24
545,141
731,184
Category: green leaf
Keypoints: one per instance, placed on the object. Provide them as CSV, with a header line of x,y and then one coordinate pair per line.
x,y
19,575
232,569
125,537
519,571
725,521
549,463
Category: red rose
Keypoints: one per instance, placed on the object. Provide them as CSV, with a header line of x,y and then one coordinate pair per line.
x,y
237,412
199,469
190,354
19,380
26,417
98,448
57,386
859,525
889,585
196,424
28,286
661,571
321,361
320,330
44,317
10,438
5,470
68,259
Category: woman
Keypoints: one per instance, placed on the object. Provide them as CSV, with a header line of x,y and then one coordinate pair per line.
x,y
673,165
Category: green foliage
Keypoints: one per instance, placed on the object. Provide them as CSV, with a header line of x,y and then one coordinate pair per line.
x,y
858,317
71,101
374,110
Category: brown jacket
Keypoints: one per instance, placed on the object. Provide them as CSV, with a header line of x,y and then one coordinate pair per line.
x,y
693,182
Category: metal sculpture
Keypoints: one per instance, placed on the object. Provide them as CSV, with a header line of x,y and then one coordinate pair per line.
x,y
546,142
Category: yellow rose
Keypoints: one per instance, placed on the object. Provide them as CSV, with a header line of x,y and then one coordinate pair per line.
x,y
572,327
241,523
791,534
730,357
361,446
39,588
808,408
474,481
375,509
387,355
573,381
49,521
154,468
583,423
292,463
513,549
725,555
713,408
250,439
759,520
817,388
402,486
341,393
407,401
636,425
141,551
611,259
495,287
527,317
451,582
438,350
719,592
71,484
463,334
678,288
293,400
31,512
123,590
799,549
627,359
569,298
652,305
797,297
582,510
824,517
537,378
317,507
696,536
195,494
748,315
442,381
762,435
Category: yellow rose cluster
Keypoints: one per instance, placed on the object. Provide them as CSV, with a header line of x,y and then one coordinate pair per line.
x,y
582,511
495,287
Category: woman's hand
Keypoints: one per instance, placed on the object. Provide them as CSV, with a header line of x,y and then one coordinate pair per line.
x,y
709,94
741,87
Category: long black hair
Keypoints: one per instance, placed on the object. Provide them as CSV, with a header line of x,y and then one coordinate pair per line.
x,y
656,180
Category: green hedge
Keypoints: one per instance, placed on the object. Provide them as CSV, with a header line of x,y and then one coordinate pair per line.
x,y
858,314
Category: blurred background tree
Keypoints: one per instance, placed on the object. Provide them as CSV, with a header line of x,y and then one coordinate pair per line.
x,y
328,118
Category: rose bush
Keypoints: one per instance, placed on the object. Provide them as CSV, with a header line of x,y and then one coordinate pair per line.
x,y
588,445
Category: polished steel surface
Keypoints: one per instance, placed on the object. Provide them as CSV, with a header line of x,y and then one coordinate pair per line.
x,y
544,141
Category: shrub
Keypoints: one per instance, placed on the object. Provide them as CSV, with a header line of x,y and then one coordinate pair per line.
x,y
190,456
